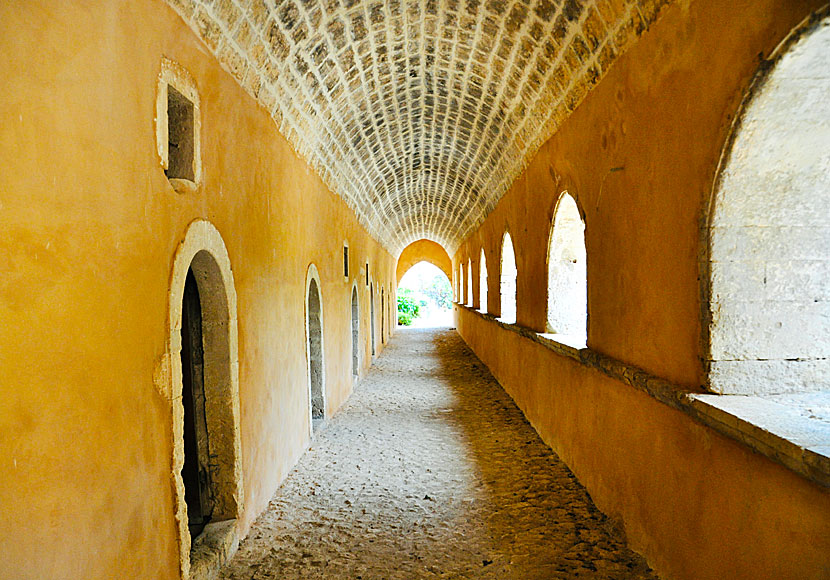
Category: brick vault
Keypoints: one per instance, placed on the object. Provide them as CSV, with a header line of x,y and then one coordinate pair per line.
x,y
419,114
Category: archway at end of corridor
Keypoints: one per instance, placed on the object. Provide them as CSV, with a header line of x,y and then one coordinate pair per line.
x,y
425,297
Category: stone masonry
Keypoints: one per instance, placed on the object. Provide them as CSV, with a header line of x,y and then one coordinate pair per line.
x,y
431,471
419,114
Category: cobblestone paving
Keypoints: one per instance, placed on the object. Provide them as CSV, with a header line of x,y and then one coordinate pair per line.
x,y
430,471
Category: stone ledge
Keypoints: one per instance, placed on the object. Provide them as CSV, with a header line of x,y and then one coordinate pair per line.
x,y
214,547
769,427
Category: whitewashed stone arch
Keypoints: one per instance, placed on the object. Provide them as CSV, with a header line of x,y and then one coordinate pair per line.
x,y
767,326
567,288
508,279
483,290
203,250
313,274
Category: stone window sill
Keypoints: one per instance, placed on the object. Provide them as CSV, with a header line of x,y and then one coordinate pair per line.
x,y
182,185
792,430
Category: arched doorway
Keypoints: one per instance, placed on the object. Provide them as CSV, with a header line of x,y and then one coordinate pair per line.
x,y
203,389
355,333
372,316
198,488
314,333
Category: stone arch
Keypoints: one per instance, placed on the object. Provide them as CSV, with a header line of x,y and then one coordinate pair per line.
x,y
567,270
461,287
767,233
203,251
315,351
355,328
482,282
469,282
508,275
423,251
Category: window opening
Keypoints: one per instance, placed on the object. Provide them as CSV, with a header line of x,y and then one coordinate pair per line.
x,y
507,284
482,282
346,261
769,235
469,282
567,271
460,284
180,136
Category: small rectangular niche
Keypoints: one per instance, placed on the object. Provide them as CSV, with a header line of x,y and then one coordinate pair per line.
x,y
180,136
178,127
346,262
367,273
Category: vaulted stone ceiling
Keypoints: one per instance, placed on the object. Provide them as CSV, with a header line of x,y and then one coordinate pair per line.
x,y
418,113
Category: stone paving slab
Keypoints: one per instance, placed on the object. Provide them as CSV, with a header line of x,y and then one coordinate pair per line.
x,y
431,471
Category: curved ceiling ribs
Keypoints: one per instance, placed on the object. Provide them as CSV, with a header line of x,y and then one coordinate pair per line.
x,y
419,114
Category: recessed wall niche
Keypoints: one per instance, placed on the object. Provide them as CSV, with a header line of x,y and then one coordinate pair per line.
x,y
178,127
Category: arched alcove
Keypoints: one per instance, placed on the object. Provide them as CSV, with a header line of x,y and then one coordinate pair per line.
x,y
482,282
355,333
469,282
567,271
202,271
769,234
372,316
314,346
507,283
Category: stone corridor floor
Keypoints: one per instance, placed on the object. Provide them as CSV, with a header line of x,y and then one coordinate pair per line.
x,y
431,471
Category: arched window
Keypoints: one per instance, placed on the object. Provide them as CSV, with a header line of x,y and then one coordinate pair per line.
x,y
461,284
567,273
482,283
769,245
507,285
469,282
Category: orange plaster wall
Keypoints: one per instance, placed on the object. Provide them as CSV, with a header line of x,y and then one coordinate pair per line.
x,y
90,227
698,505
420,251
640,155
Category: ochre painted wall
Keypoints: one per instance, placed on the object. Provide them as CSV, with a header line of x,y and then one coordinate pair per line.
x,y
640,155
90,227
421,251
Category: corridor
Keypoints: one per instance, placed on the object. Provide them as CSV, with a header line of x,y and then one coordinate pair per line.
x,y
431,471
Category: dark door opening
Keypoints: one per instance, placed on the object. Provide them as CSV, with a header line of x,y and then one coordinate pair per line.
x,y
315,352
355,332
198,493
372,316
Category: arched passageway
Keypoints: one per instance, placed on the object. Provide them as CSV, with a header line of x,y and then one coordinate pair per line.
x,y
314,330
355,334
431,471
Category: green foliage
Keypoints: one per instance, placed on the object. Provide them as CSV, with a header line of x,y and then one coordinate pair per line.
x,y
408,307
439,290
